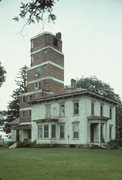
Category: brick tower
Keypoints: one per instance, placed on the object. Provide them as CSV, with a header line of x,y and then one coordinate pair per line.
x,y
46,74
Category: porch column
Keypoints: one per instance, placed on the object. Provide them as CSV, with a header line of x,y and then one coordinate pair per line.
x,y
99,134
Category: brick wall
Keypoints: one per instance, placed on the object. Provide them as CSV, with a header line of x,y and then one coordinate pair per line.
x,y
47,55
46,70
45,40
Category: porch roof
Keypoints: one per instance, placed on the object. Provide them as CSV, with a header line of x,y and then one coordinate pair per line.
x,y
22,127
15,122
98,118
47,120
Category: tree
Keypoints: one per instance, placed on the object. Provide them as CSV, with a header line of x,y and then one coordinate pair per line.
x,y
2,74
21,80
93,84
36,11
13,106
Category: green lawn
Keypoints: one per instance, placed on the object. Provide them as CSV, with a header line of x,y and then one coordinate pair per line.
x,y
60,164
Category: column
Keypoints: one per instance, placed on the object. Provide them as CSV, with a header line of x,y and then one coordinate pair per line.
x,y
100,133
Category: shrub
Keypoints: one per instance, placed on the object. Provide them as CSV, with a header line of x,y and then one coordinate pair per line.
x,y
119,141
23,144
10,143
95,147
113,144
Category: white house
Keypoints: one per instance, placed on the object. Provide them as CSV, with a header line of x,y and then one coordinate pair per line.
x,y
76,117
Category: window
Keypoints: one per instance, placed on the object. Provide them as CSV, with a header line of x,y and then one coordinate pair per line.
x,y
47,39
75,130
32,59
62,110
29,113
30,98
110,112
46,131
101,110
40,131
32,44
76,108
37,72
62,131
23,99
38,85
110,132
53,132
55,42
92,108
48,111
23,114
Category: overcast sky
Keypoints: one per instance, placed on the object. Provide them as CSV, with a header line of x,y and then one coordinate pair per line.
x,y
92,41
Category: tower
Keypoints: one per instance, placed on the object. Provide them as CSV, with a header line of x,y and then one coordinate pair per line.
x,y
46,73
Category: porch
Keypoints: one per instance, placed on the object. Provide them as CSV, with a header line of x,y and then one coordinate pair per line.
x,y
98,130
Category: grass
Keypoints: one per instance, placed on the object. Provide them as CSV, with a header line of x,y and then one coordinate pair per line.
x,y
60,164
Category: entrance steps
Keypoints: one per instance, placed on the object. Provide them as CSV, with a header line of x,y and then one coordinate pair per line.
x,y
13,146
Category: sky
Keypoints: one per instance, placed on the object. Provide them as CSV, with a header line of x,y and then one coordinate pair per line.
x,y
92,41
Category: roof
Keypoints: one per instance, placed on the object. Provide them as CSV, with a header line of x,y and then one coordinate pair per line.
x,y
15,122
71,92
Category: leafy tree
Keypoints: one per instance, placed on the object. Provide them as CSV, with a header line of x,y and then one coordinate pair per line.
x,y
92,83
13,106
22,79
2,74
3,115
119,121
36,11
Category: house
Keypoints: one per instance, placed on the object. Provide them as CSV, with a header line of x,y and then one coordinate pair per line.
x,y
48,114
76,117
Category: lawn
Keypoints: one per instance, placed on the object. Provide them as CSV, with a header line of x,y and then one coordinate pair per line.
x,y
60,164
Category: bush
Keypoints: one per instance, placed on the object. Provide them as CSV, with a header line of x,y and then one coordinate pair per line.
x,y
34,145
95,147
113,144
23,144
119,141
10,143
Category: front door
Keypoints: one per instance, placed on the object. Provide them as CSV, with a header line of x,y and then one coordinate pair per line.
x,y
93,132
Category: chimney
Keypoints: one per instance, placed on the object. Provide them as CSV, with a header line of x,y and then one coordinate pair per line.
x,y
58,35
73,83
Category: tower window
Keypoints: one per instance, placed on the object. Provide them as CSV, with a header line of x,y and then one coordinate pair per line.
x,y
55,42
23,99
37,85
37,72
32,44
32,59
